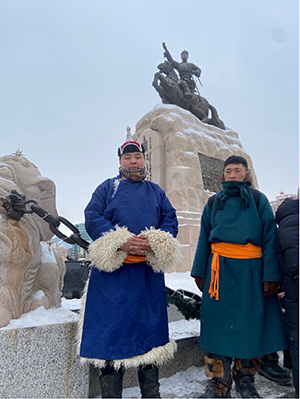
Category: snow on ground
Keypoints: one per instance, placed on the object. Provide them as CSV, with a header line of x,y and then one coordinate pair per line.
x,y
192,382
42,317
181,280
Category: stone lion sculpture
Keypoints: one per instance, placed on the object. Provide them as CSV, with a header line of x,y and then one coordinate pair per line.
x,y
28,278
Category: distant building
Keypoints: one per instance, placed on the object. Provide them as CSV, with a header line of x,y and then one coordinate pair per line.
x,y
77,252
279,199
74,251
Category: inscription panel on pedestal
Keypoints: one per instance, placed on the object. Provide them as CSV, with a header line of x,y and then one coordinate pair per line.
x,y
154,157
147,143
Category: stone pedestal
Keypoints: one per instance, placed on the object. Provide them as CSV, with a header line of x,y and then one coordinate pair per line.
x,y
40,362
185,157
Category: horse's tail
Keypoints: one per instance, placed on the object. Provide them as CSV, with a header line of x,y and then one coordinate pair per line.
x,y
215,120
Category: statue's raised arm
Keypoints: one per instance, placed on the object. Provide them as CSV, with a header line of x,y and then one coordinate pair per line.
x,y
167,54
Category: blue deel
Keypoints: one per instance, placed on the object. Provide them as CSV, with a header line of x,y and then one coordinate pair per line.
x,y
126,310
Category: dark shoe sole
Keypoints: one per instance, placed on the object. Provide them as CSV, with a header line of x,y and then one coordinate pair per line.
x,y
280,381
204,395
227,396
239,394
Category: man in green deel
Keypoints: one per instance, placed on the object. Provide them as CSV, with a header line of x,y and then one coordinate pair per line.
x,y
236,267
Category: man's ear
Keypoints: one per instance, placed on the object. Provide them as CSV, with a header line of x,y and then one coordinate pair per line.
x,y
222,178
248,177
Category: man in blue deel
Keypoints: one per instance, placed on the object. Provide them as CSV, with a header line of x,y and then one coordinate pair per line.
x,y
124,319
237,269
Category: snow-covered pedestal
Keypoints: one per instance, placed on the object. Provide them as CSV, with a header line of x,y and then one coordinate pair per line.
x,y
40,362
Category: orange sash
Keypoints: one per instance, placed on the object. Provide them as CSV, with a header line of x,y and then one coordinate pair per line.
x,y
229,250
134,259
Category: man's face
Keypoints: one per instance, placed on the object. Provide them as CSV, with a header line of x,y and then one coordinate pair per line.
x,y
132,160
235,172
184,56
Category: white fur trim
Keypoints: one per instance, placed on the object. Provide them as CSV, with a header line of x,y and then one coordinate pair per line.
x,y
165,249
116,185
105,253
156,356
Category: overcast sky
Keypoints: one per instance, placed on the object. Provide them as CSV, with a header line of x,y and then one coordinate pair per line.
x,y
76,73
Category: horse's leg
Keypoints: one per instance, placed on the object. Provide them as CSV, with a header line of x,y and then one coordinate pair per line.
x,y
155,81
215,120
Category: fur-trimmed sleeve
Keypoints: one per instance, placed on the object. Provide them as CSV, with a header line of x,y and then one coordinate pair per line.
x,y
105,252
165,249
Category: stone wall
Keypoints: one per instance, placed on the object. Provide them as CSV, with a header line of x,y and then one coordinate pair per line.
x,y
40,362
185,157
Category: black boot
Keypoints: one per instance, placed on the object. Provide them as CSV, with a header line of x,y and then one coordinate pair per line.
x,y
148,380
218,369
270,369
215,389
243,374
111,382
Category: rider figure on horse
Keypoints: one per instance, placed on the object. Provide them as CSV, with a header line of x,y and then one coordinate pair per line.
x,y
186,71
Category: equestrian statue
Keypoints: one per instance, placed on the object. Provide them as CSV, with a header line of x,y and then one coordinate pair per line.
x,y
182,91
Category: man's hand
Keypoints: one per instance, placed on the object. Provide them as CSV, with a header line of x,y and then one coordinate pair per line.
x,y
137,245
270,287
200,282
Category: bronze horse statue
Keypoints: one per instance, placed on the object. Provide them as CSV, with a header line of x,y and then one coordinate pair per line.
x,y
166,83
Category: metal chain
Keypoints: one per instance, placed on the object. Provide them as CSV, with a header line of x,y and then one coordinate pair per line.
x,y
15,205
